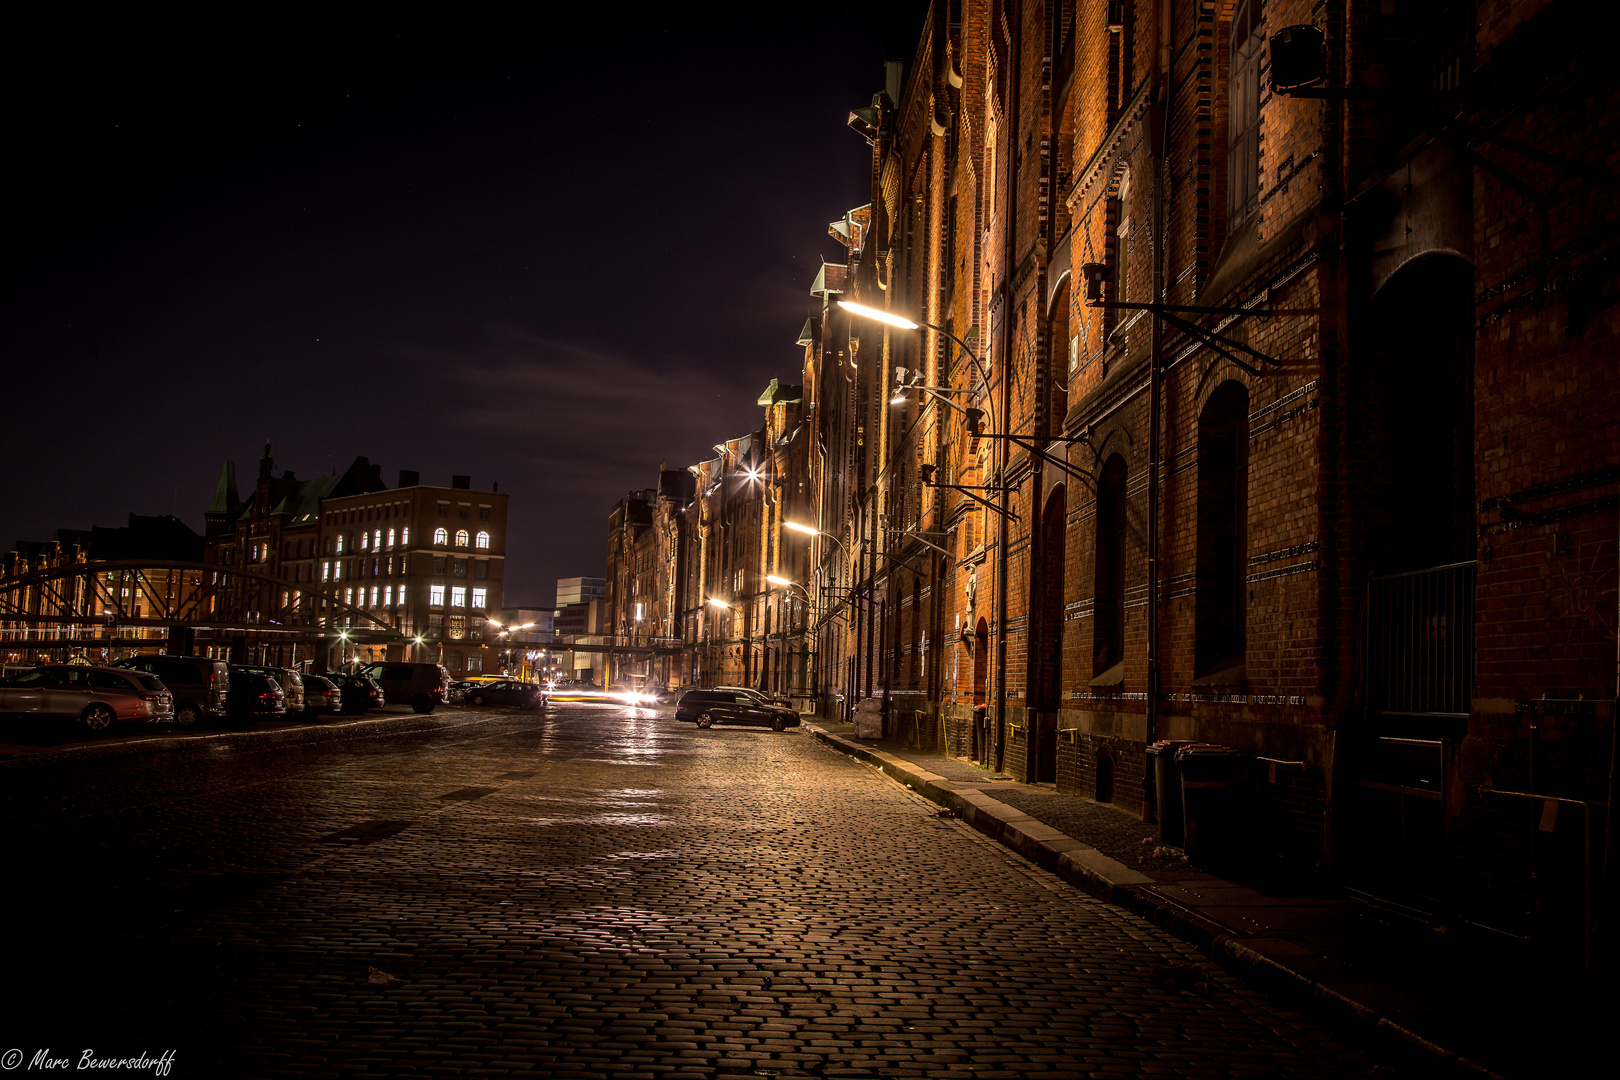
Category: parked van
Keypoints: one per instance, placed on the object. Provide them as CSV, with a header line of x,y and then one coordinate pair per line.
x,y
421,686
201,687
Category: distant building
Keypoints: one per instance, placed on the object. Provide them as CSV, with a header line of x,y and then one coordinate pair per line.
x,y
575,590
426,561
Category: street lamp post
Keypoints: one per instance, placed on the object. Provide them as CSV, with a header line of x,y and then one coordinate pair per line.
x,y
1003,511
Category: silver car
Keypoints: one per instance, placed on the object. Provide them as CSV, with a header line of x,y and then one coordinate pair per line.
x,y
97,697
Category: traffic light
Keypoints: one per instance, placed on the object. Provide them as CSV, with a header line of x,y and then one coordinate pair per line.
x,y
975,424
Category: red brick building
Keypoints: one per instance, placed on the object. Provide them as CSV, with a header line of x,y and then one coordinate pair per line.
x,y
1284,419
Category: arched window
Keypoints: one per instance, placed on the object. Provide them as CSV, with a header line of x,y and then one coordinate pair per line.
x,y
483,539
461,538
1223,518
390,537
1108,579
405,537
376,539
340,543
440,536
365,539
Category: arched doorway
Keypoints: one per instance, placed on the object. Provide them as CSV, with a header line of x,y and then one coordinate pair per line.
x,y
1049,641
1413,395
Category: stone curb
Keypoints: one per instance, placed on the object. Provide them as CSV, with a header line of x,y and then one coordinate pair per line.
x,y
1109,880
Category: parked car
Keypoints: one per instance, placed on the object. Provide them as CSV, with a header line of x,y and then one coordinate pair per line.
x,y
357,692
770,699
421,686
321,695
97,697
290,681
506,692
728,705
254,695
201,687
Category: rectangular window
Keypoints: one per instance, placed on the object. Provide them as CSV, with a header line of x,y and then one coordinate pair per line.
x,y
337,571
326,571
481,570
436,595
348,596
475,661
458,627
405,537
1243,111
388,596
444,510
479,597
483,513
458,597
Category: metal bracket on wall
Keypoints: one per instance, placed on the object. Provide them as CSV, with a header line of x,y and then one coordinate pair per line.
x,y
1170,313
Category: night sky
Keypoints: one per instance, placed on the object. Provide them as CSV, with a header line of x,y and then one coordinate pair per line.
x,y
550,254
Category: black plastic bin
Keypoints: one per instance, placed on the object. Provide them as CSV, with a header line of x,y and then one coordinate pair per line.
x,y
1209,807
1167,788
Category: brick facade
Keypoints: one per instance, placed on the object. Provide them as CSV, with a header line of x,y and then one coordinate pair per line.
x,y
1366,536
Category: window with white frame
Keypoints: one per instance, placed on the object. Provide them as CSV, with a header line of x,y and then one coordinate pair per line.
x,y
388,596
326,571
458,597
405,537
365,539
461,538
390,537
376,539
480,597
440,536
436,595
482,540
337,571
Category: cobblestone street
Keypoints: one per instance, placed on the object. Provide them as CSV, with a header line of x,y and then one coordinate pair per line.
x,y
590,891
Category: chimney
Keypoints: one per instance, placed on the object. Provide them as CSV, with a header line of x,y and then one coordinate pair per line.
x,y
409,478
464,483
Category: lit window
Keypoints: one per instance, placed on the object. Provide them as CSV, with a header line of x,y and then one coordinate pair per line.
x,y
479,597
373,595
326,571
337,572
348,596
440,536
458,597
340,544
390,537
376,539
365,539
388,596
405,536
461,538
436,595
483,539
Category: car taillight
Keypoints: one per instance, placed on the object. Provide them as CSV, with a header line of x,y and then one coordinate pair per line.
x,y
152,697
267,697
375,694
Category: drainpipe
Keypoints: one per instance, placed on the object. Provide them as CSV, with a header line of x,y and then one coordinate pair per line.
x,y
1158,125
1004,410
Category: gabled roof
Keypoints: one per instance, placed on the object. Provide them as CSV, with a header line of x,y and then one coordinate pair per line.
x,y
225,500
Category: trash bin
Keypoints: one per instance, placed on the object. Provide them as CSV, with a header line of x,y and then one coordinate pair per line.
x,y
1167,788
1208,800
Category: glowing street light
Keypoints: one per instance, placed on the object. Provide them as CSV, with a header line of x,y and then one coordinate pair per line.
x,y
715,601
877,313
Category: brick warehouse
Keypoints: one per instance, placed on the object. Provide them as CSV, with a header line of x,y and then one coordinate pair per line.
x,y
1264,395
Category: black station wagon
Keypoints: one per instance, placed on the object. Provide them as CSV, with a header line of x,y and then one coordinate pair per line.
x,y
707,707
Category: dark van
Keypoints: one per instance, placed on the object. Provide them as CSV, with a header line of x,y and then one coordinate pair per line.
x,y
421,686
201,687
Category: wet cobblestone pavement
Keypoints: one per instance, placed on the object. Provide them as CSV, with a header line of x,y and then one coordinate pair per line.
x,y
591,891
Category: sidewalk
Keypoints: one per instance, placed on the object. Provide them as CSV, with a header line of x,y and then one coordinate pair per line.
x,y
1439,999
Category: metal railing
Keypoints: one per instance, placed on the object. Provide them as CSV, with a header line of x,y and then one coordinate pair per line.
x,y
1420,641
